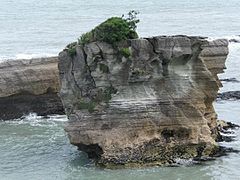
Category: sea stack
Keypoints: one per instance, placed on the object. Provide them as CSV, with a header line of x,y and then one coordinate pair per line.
x,y
145,101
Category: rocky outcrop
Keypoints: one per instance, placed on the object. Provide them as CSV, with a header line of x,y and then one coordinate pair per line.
x,y
29,86
146,101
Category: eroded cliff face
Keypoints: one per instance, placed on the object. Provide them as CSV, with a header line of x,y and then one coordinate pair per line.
x,y
29,86
147,101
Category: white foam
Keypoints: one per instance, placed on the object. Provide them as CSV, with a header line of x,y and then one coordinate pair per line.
x,y
184,162
30,56
31,117
34,120
26,56
58,118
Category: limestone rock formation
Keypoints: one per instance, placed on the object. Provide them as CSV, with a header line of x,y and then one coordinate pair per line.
x,y
29,86
146,101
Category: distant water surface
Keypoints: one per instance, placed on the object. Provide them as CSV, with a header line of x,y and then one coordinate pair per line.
x,y
38,148
36,28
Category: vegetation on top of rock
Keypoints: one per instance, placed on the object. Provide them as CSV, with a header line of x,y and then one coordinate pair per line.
x,y
71,49
132,19
113,30
86,38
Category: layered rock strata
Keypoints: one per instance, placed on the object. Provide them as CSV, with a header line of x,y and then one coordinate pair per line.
x,y
29,86
146,101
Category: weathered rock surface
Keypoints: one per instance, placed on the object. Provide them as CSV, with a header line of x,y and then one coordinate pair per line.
x,y
29,86
148,108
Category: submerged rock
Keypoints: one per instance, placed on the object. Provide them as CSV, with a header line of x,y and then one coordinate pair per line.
x,y
230,80
234,41
149,106
232,95
225,131
29,86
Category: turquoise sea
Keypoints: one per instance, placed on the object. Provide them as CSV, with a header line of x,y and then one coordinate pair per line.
x,y
36,148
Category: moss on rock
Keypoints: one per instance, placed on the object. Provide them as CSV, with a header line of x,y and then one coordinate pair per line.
x,y
71,49
87,105
104,68
108,93
125,52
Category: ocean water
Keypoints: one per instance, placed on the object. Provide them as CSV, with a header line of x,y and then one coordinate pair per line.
x,y
37,148
36,28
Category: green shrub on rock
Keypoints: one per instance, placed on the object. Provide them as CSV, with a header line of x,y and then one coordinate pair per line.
x,y
71,49
113,30
86,38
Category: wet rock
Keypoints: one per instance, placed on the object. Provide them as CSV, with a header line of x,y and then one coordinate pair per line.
x,y
149,108
234,40
18,105
223,151
230,95
223,125
224,131
230,80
